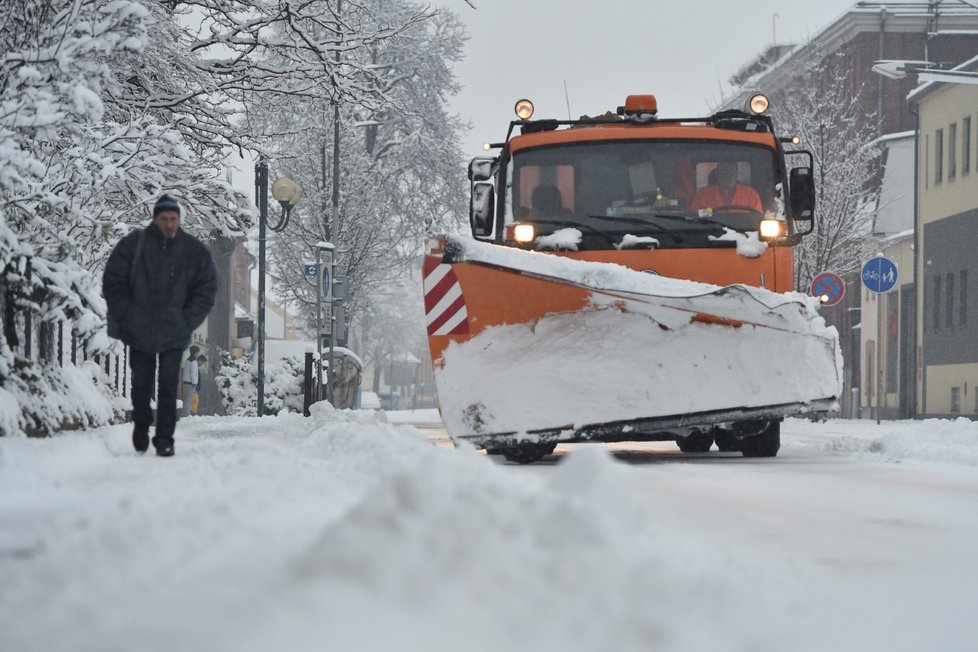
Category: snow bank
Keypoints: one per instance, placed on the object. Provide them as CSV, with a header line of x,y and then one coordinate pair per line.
x,y
472,540
931,440
69,396
343,532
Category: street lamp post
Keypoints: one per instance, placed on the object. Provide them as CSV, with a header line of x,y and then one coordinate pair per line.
x,y
287,193
925,71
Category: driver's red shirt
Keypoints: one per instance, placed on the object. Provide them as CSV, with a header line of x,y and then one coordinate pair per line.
x,y
711,197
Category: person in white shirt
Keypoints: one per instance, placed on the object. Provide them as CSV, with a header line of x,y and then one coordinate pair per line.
x,y
191,376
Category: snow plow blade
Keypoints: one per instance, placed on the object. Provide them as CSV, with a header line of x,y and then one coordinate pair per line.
x,y
530,346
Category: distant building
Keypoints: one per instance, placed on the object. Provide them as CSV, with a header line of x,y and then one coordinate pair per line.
x,y
894,345
946,34
946,243
943,33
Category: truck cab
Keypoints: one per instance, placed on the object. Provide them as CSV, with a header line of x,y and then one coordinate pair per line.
x,y
707,199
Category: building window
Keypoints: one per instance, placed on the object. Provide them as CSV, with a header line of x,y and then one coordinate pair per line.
x,y
963,303
966,146
939,156
926,162
955,400
949,301
937,303
952,151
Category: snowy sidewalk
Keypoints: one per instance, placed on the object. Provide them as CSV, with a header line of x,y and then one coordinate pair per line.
x,y
344,533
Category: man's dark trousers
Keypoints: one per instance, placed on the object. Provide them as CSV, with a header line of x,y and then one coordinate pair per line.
x,y
143,366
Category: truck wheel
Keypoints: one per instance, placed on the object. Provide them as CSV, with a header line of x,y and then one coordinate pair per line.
x,y
695,442
725,440
528,453
766,443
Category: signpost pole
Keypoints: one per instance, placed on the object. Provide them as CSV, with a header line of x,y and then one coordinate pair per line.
x,y
879,277
324,295
879,354
332,331
319,325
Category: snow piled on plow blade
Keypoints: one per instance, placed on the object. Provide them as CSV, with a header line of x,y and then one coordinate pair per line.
x,y
645,347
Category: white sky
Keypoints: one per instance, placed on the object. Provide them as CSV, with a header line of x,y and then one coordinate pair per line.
x,y
680,51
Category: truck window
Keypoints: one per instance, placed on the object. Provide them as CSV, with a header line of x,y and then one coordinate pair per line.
x,y
654,181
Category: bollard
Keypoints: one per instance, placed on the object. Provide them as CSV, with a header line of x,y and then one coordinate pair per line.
x,y
307,385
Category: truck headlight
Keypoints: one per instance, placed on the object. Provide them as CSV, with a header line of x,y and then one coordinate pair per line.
x,y
524,233
771,229
524,109
758,104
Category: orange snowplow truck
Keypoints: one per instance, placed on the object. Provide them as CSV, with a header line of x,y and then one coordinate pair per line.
x,y
710,200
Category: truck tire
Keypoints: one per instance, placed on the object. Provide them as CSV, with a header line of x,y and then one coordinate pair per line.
x,y
725,440
527,453
766,443
697,441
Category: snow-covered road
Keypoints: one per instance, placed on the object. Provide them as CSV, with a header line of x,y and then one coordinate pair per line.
x,y
342,532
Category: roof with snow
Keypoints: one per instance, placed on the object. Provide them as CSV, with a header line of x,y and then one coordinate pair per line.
x,y
908,17
918,94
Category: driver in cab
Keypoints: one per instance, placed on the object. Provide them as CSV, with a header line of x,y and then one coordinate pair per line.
x,y
725,191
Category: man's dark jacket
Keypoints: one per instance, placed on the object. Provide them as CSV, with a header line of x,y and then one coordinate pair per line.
x,y
173,289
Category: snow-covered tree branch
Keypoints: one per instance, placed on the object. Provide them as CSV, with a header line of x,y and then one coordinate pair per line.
x,y
400,167
105,104
831,124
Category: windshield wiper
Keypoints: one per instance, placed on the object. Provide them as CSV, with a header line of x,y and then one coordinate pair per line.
x,y
576,225
630,219
692,219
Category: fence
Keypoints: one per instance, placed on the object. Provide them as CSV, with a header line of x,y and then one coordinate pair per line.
x,y
50,343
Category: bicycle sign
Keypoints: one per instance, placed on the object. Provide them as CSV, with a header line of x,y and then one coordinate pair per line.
x,y
880,275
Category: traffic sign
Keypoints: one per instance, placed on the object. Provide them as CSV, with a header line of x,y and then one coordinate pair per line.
x,y
829,288
308,269
325,318
880,275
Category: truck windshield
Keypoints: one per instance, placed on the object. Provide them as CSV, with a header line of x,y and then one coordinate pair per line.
x,y
683,189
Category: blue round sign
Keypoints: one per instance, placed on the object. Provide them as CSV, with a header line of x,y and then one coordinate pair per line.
x,y
880,275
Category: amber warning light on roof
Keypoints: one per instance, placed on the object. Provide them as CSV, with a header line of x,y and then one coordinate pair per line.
x,y
641,104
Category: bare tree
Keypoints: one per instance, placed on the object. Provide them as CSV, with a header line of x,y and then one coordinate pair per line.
x,y
400,165
106,103
823,109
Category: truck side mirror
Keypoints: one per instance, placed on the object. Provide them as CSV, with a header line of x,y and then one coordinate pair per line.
x,y
482,209
801,191
480,169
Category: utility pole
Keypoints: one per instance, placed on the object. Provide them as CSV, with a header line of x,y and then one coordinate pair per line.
x,y
334,228
261,197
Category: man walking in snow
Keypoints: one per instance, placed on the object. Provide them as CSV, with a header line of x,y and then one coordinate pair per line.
x,y
159,284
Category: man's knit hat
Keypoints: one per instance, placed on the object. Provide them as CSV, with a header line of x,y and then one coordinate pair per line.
x,y
166,203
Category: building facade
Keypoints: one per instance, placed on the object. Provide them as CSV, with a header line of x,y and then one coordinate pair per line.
x,y
947,246
942,33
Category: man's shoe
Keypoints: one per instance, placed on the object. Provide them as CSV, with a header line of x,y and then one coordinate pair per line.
x,y
164,447
140,438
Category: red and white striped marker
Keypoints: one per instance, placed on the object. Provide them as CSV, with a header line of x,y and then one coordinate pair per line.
x,y
444,304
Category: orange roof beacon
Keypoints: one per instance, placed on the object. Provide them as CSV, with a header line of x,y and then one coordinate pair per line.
x,y
596,302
